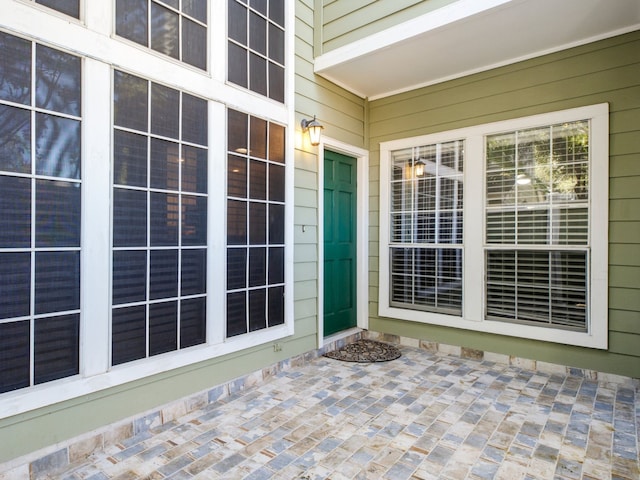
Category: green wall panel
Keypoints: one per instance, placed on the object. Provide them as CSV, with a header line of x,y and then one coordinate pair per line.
x,y
607,71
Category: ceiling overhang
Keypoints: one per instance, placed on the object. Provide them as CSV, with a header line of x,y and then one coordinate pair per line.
x,y
471,36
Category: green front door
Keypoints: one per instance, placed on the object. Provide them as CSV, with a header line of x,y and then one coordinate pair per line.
x,y
339,242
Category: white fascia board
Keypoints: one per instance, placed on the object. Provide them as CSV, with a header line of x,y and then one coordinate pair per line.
x,y
424,23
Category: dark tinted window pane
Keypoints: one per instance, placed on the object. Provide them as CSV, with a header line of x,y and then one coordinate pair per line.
x,y
164,219
172,3
195,8
15,69
194,220
15,284
130,101
193,322
259,5
14,355
194,169
56,348
276,44
57,214
237,132
258,180
128,340
276,82
57,281
237,65
237,22
276,183
15,205
257,267
237,177
165,108
194,272
15,132
236,314
257,33
276,11
68,7
276,265
129,276
163,327
164,164
194,119
164,31
257,309
276,306
276,224
57,146
57,81
131,20
163,274
257,223
236,268
130,159
276,143
258,137
257,74
194,44
236,222
129,218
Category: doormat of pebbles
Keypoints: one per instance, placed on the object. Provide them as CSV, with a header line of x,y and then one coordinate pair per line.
x,y
365,351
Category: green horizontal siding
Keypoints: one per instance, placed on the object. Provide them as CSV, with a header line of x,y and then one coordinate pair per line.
x,y
605,71
344,22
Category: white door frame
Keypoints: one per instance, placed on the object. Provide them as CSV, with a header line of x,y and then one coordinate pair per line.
x,y
362,231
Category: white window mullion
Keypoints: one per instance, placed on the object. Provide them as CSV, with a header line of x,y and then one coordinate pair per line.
x,y
96,212
473,215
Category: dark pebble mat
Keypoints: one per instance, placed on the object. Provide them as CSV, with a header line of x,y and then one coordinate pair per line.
x,y
365,351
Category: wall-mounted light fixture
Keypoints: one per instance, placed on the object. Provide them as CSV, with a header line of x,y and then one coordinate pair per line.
x,y
418,168
314,128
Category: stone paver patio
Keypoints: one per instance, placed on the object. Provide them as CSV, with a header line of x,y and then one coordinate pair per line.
x,y
425,415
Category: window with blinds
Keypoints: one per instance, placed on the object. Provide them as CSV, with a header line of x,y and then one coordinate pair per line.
x,y
537,226
159,282
426,207
40,198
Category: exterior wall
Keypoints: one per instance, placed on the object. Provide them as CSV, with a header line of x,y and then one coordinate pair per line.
x,y
346,22
605,71
342,114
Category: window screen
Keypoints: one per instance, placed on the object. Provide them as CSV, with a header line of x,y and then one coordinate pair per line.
x,y
256,46
166,27
40,197
255,223
159,219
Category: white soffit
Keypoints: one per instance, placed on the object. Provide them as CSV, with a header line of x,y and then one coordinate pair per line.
x,y
471,36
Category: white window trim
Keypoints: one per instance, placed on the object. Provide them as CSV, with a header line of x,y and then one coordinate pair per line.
x,y
101,53
473,236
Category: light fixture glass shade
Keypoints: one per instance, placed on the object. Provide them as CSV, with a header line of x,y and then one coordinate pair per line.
x,y
314,128
418,168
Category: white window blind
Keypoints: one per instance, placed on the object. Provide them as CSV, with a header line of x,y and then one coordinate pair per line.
x,y
426,227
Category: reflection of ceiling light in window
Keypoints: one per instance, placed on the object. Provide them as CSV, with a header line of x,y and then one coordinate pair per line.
x,y
242,150
523,179
235,170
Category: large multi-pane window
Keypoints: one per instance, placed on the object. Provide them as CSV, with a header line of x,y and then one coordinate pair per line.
x,y
68,7
256,46
177,28
426,227
255,223
537,225
531,260
159,219
40,200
